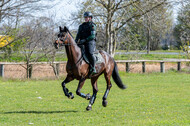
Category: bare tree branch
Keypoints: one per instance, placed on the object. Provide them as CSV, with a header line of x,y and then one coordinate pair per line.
x,y
141,14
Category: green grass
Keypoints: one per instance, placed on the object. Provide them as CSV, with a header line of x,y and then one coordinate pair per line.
x,y
16,57
150,99
148,57
178,51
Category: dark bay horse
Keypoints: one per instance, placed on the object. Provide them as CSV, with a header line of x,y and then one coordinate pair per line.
x,y
78,69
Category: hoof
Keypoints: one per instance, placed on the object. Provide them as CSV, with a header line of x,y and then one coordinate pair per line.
x,y
104,103
71,96
88,108
88,96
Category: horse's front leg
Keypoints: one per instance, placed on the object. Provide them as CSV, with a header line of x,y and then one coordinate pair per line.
x,y
65,90
78,91
95,90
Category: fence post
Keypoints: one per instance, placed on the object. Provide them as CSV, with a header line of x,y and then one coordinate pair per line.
x,y
1,70
127,67
162,67
30,70
143,67
178,66
57,68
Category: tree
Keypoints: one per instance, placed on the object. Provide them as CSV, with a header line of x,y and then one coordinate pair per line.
x,y
156,24
37,38
12,44
112,16
182,29
12,13
21,8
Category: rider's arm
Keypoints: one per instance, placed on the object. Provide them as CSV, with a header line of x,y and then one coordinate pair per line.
x,y
93,33
78,34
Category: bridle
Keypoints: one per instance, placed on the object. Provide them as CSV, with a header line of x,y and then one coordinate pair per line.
x,y
61,42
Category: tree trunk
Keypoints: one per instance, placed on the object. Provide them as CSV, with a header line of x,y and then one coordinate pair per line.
x,y
148,36
28,70
114,43
56,69
17,18
107,38
2,2
111,44
0,15
148,41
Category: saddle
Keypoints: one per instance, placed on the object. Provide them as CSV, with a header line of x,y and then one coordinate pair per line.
x,y
98,56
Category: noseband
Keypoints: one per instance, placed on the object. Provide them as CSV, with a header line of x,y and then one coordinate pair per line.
x,y
62,41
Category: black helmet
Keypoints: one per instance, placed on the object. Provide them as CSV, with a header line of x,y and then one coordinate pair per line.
x,y
88,14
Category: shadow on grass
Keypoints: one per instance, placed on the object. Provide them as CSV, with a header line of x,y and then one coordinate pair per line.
x,y
38,112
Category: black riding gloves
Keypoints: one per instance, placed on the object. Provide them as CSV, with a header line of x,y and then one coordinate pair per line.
x,y
82,41
76,41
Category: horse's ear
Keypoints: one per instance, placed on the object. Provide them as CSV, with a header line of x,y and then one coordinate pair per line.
x,y
60,28
66,29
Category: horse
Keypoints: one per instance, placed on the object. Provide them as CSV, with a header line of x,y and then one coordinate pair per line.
x,y
78,68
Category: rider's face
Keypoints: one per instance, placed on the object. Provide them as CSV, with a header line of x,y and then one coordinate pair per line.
x,y
87,19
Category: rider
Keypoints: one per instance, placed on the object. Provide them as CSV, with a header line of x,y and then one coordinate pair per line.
x,y
87,34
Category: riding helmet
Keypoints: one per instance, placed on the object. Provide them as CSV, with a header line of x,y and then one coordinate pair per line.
x,y
88,14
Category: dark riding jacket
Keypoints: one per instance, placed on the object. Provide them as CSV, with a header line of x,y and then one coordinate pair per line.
x,y
87,31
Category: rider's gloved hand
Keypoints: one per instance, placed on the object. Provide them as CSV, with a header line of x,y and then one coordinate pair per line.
x,y
82,41
76,41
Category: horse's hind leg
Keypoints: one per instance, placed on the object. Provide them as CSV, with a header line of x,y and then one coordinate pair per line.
x,y
65,90
95,90
109,85
80,85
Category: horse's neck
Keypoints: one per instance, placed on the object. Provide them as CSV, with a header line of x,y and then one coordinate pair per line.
x,y
73,51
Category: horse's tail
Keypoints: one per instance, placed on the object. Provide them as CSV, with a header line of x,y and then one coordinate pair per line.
x,y
116,77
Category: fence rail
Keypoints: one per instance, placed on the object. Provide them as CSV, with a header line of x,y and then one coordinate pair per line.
x,y
162,63
127,65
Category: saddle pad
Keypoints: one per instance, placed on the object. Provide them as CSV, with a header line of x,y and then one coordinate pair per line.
x,y
98,56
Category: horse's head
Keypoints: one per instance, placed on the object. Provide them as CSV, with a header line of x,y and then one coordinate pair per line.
x,y
62,37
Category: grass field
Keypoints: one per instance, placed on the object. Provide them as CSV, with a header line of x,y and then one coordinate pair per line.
x,y
17,57
150,99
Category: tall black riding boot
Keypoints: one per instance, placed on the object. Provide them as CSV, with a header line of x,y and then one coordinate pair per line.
x,y
89,48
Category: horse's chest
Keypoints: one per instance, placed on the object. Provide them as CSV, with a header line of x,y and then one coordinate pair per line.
x,y
72,69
